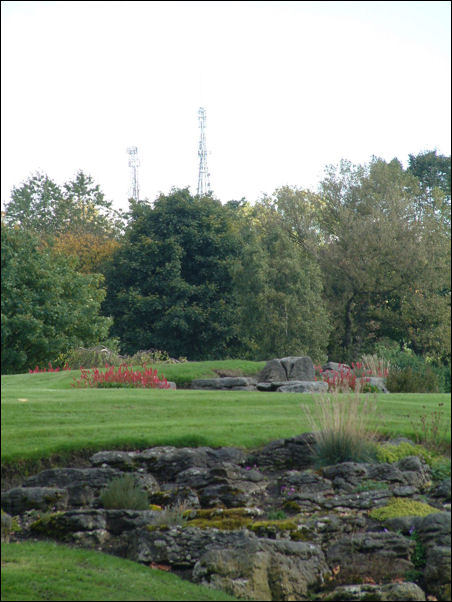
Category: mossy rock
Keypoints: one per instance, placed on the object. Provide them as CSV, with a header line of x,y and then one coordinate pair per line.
x,y
223,524
215,513
48,525
397,507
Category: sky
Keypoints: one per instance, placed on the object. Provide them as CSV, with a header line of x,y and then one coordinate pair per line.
x,y
288,88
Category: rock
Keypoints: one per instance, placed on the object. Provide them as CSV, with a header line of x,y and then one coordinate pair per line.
x,y
82,484
115,459
379,556
20,499
442,490
295,453
180,547
235,383
437,571
273,371
298,368
389,592
264,569
304,386
7,523
434,529
334,367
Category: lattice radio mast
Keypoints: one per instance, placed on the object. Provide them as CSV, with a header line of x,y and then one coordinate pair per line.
x,y
134,163
204,175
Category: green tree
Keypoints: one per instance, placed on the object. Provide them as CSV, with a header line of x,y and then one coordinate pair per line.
x,y
169,286
279,286
39,204
47,306
386,270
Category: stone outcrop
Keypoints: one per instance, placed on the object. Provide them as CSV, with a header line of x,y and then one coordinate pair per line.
x,y
265,525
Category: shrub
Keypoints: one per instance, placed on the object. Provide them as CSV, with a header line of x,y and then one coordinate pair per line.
x,y
412,380
397,507
91,357
123,493
341,425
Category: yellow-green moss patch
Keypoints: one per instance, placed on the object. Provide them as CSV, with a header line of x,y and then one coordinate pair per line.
x,y
397,507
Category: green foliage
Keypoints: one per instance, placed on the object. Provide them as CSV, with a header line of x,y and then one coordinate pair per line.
x,y
39,204
123,492
278,286
394,453
397,507
441,469
410,380
169,286
47,306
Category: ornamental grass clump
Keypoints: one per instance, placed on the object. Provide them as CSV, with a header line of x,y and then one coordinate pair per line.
x,y
123,376
124,493
341,428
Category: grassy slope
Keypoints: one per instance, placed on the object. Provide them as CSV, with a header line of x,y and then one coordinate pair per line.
x,y
43,415
50,571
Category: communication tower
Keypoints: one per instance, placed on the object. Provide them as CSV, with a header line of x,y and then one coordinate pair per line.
x,y
134,163
204,175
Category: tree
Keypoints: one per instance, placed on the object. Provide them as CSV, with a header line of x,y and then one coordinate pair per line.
x,y
169,286
380,259
47,306
39,204
278,287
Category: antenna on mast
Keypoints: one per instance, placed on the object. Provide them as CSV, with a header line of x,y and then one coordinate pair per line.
x,y
134,163
203,175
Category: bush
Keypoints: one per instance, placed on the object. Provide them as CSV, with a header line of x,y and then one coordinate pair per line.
x,y
123,493
411,380
91,357
341,425
394,453
124,376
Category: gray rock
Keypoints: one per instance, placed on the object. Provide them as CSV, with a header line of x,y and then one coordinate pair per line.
x,y
298,368
115,459
295,453
264,569
387,593
442,490
437,571
20,499
82,484
227,382
304,387
273,371
375,381
334,367
434,529
380,556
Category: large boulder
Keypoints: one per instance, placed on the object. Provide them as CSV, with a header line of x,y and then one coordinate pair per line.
x,y
264,569
20,499
288,368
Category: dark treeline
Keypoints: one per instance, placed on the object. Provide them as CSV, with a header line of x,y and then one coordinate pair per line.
x,y
360,265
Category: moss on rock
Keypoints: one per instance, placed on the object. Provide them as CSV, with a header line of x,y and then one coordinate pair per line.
x,y
397,507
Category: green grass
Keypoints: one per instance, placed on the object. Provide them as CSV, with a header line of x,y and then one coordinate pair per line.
x,y
50,571
56,419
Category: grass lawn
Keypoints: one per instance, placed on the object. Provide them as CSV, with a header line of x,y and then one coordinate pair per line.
x,y
50,571
42,415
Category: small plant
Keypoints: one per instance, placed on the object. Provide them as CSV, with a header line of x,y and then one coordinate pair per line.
x,y
393,453
341,426
173,516
431,429
92,357
124,376
123,493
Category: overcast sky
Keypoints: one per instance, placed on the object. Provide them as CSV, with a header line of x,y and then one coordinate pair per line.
x,y
288,88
